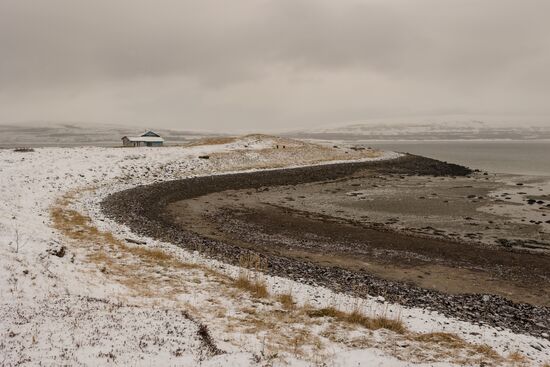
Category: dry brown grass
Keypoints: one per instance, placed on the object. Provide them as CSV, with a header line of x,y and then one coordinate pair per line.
x,y
255,286
253,261
133,266
218,140
250,280
282,332
378,322
450,344
517,358
325,312
300,338
356,317
287,301
486,351
447,340
139,268
248,310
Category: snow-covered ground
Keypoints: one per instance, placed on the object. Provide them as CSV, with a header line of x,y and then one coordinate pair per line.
x,y
109,302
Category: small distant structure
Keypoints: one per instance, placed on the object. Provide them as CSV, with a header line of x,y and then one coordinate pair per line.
x,y
147,139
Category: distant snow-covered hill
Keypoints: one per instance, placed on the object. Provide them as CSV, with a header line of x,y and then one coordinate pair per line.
x,y
37,134
448,130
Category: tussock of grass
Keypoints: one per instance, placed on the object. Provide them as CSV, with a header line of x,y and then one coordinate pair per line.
x,y
357,318
325,312
300,337
517,358
448,340
255,287
153,254
486,351
379,322
252,283
287,301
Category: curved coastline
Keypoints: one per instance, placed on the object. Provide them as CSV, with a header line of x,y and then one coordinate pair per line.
x,y
141,209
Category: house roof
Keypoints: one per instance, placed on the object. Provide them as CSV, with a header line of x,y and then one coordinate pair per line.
x,y
150,133
147,139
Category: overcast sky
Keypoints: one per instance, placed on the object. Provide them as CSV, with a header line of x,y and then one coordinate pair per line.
x,y
271,65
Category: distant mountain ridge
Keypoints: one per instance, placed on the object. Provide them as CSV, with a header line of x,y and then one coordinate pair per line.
x,y
77,134
450,130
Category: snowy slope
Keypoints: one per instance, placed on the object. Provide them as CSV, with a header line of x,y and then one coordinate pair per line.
x,y
76,310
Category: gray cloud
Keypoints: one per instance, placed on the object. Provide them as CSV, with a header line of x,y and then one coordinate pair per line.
x,y
257,64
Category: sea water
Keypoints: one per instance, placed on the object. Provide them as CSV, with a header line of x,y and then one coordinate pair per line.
x,y
515,157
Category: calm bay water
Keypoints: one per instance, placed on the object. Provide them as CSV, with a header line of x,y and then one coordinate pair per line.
x,y
517,157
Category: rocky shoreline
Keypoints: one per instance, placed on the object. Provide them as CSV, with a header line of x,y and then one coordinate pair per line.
x,y
142,209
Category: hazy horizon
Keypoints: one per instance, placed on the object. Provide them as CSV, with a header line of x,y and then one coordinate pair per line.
x,y
273,66
440,121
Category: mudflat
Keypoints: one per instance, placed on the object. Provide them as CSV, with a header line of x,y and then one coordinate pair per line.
x,y
423,230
